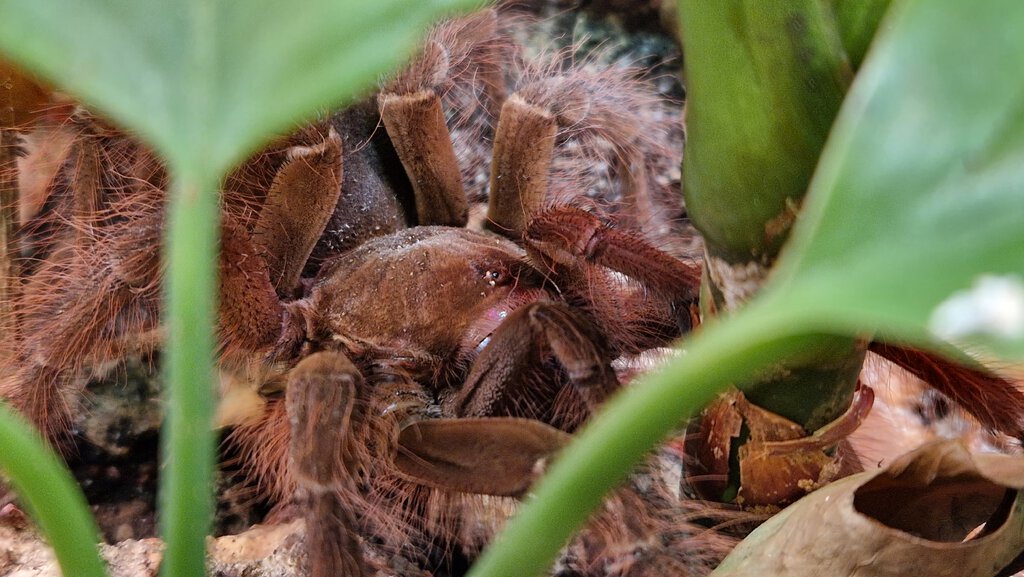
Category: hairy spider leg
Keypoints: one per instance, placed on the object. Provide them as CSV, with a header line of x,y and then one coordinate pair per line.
x,y
459,53
322,409
299,203
511,377
995,401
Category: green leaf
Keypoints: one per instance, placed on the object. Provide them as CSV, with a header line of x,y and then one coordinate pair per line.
x,y
205,81
51,496
920,191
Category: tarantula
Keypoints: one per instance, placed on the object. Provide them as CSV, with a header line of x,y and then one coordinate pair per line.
x,y
407,377
398,377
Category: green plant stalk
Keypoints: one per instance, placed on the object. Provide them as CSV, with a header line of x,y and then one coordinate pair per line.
x,y
51,495
186,488
624,431
765,81
858,20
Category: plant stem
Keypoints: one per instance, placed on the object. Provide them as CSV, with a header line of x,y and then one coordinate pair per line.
x,y
858,20
187,439
765,80
51,495
724,352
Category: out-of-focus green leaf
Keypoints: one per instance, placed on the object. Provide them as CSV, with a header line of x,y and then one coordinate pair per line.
x,y
765,81
51,495
918,204
207,80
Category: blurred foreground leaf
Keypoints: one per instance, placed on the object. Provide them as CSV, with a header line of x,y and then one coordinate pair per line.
x,y
919,196
206,81
51,496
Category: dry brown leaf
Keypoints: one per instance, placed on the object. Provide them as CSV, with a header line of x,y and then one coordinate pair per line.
x,y
936,511
778,461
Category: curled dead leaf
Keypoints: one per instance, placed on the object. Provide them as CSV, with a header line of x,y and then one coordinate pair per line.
x,y
710,446
778,462
936,511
